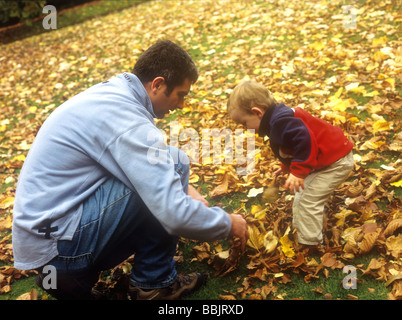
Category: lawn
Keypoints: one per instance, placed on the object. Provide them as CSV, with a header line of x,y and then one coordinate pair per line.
x,y
339,60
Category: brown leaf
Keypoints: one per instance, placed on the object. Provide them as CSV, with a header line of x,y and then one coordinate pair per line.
x,y
393,226
368,242
202,251
355,189
32,295
6,223
396,293
227,297
394,245
328,260
222,188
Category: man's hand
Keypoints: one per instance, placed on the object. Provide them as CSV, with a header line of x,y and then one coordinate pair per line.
x,y
239,229
293,183
193,193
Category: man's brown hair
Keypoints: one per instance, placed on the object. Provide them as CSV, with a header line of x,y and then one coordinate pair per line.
x,y
168,60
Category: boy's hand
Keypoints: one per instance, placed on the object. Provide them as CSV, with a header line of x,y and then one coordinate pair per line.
x,y
293,183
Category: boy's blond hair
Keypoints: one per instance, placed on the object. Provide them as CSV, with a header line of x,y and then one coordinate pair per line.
x,y
248,94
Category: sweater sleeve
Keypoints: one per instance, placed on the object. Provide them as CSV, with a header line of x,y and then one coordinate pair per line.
x,y
140,158
291,133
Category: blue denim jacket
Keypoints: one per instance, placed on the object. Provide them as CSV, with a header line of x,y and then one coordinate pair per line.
x,y
107,130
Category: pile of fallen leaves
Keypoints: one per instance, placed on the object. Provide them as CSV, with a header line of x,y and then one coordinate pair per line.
x,y
308,53
354,223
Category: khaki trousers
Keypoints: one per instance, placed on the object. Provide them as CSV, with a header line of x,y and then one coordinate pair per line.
x,y
308,204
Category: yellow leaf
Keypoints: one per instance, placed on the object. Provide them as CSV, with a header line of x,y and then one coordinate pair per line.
x,y
380,125
396,184
341,216
374,108
391,82
221,170
379,56
7,202
255,208
373,143
317,46
379,41
207,160
6,223
256,239
371,67
287,246
359,90
335,116
260,214
354,120
186,109
258,211
20,157
194,178
338,93
372,93
339,104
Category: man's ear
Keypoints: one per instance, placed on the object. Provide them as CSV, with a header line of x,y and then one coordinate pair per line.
x,y
157,83
257,111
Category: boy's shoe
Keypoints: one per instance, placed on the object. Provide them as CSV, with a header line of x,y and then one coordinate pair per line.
x,y
183,285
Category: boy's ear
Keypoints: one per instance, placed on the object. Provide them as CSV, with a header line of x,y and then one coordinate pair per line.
x,y
257,111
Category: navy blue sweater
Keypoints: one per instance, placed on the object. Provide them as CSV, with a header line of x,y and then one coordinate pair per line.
x,y
302,142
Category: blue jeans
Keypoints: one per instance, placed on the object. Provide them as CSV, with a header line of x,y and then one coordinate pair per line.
x,y
115,224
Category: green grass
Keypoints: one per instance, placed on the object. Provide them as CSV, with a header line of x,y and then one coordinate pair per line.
x,y
297,287
367,288
68,17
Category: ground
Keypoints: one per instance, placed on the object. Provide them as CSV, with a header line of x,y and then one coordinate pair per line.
x,y
340,61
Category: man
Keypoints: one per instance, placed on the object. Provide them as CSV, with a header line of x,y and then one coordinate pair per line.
x,y
99,184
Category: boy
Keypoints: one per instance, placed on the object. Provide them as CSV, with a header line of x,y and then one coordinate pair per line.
x,y
316,155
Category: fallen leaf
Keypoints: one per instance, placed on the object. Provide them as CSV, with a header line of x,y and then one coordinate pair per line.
x,y
7,202
270,242
393,226
287,246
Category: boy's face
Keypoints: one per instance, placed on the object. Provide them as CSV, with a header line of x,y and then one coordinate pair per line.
x,y
249,120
